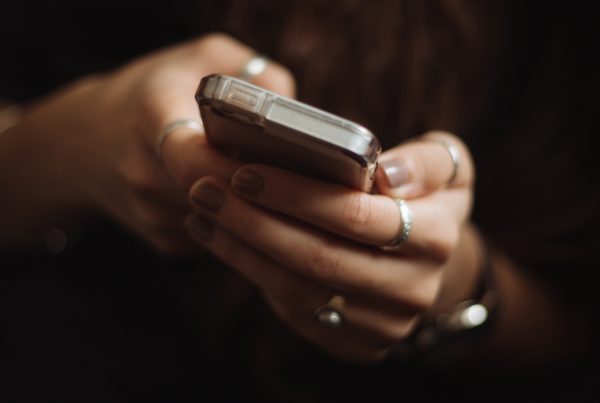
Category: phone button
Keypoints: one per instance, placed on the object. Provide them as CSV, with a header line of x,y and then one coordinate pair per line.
x,y
245,98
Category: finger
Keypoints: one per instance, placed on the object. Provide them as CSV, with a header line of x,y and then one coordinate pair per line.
x,y
379,321
187,157
418,168
349,345
353,214
276,78
374,319
223,54
174,75
216,53
258,268
371,219
315,254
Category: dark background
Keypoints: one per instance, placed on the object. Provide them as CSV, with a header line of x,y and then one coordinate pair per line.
x,y
109,320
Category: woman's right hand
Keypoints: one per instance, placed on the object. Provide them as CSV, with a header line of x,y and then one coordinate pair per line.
x,y
93,144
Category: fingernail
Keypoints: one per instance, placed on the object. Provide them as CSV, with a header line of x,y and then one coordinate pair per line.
x,y
396,172
201,227
248,182
209,197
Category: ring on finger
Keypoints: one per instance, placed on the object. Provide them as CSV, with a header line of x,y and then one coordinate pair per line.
x,y
332,313
254,67
403,230
171,128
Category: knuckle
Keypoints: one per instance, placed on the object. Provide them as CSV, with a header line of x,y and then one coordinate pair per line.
x,y
418,295
449,242
212,41
441,238
397,331
357,213
321,261
153,102
250,227
425,294
442,247
281,79
150,103
439,251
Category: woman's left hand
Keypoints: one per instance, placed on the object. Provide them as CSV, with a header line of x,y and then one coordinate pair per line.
x,y
303,241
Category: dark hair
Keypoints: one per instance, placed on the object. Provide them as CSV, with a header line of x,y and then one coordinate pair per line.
x,y
509,77
391,65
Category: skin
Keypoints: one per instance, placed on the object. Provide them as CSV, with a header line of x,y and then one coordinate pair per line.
x,y
335,233
94,147
298,239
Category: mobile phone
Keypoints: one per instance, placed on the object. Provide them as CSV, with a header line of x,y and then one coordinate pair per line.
x,y
258,125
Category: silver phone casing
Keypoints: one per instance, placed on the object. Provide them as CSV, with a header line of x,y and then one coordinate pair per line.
x,y
286,133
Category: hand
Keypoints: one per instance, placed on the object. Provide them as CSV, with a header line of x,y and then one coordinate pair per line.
x,y
94,143
302,240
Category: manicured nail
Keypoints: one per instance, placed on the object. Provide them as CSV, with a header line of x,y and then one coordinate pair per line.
x,y
209,197
248,182
396,172
201,227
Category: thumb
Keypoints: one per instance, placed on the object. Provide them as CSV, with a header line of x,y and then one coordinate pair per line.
x,y
418,168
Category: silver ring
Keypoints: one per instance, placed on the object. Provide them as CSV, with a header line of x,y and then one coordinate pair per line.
x,y
454,154
331,314
171,127
254,67
405,227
